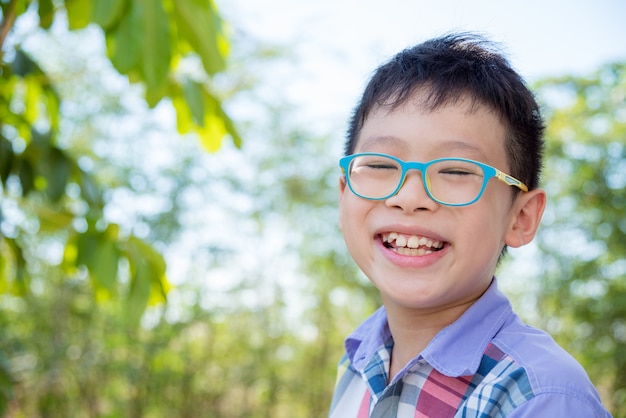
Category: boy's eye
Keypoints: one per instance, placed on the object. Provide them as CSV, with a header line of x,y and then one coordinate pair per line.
x,y
456,172
456,168
382,166
374,164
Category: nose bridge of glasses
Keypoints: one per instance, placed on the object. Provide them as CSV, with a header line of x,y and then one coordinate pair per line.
x,y
417,166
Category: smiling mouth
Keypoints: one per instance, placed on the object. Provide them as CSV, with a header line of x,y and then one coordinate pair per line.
x,y
411,245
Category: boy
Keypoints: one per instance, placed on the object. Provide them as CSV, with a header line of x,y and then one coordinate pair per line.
x,y
441,174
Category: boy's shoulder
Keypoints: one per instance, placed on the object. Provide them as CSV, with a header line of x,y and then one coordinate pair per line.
x,y
525,369
548,366
520,370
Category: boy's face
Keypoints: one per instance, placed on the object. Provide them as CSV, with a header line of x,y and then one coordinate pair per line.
x,y
462,243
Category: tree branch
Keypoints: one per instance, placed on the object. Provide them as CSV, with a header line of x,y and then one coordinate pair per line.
x,y
7,23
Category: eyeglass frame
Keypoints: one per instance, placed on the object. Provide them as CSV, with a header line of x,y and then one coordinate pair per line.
x,y
489,171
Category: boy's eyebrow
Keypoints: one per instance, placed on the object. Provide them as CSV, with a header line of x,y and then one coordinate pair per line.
x,y
384,140
458,145
443,148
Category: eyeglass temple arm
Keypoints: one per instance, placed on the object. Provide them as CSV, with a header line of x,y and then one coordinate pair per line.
x,y
510,180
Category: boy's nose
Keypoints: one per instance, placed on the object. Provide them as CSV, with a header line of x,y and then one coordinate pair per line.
x,y
412,196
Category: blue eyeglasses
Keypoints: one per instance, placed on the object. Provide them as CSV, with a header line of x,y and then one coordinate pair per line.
x,y
448,181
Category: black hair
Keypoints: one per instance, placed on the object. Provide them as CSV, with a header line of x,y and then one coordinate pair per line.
x,y
448,69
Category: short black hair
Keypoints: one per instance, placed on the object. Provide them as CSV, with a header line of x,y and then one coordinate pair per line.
x,y
448,69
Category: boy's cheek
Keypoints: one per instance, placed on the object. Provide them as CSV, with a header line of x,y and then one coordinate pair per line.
x,y
340,223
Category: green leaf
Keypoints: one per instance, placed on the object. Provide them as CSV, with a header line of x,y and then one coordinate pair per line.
x,y
108,13
148,278
52,102
23,65
86,246
89,190
51,220
51,167
6,384
212,133
46,13
78,13
14,7
6,158
199,23
33,90
184,120
202,112
194,96
123,43
104,267
156,52
98,251
26,176
58,168
229,125
18,287
32,99
139,292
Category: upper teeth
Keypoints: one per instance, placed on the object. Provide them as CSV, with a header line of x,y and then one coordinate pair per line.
x,y
410,241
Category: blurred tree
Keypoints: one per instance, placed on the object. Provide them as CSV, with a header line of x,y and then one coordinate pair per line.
x,y
583,239
50,193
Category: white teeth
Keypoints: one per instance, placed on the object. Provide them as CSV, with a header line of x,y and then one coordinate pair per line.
x,y
413,244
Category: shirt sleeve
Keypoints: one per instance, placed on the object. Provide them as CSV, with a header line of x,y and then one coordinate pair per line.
x,y
550,405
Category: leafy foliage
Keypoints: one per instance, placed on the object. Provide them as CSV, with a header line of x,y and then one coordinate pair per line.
x,y
49,195
146,40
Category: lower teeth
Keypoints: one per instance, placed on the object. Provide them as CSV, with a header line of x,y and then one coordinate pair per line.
x,y
413,251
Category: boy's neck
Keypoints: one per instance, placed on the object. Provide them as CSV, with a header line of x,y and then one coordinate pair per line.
x,y
413,330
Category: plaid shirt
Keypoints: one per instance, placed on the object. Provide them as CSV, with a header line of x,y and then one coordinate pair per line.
x,y
486,364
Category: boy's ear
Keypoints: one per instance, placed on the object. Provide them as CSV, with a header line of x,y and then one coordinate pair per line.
x,y
528,209
342,190
342,185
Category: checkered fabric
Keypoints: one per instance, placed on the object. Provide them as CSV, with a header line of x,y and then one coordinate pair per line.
x,y
495,390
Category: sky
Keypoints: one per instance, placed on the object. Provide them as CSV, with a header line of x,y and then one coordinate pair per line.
x,y
340,42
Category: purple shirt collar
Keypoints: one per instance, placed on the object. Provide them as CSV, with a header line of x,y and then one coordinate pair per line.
x,y
455,351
